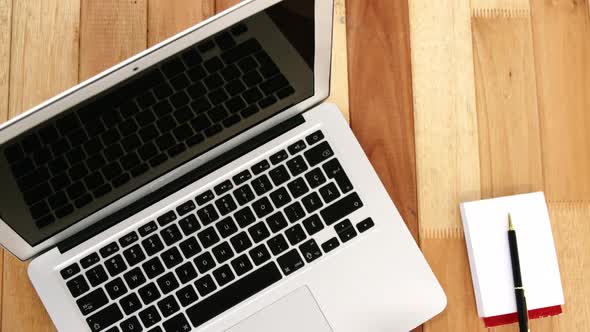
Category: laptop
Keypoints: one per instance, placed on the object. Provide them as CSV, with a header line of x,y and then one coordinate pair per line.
x,y
204,185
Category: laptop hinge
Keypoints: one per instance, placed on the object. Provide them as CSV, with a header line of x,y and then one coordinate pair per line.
x,y
176,185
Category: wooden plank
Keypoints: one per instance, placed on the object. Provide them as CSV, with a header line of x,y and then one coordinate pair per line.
x,y
221,5
111,31
499,6
508,116
339,79
381,96
166,18
44,62
561,31
5,31
447,153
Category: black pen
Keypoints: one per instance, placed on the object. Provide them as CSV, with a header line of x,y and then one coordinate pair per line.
x,y
521,307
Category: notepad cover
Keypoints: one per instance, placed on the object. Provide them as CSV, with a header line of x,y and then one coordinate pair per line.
x,y
485,224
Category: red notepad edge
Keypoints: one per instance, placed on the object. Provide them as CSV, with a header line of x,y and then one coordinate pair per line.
x,y
513,317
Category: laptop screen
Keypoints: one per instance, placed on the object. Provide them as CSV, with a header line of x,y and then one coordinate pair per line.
x,y
91,155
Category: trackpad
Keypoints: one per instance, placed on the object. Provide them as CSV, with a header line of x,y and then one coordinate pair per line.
x,y
295,312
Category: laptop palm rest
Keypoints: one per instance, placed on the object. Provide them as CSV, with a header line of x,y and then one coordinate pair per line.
x,y
295,312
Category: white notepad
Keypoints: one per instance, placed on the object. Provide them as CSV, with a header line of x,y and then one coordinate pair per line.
x,y
486,224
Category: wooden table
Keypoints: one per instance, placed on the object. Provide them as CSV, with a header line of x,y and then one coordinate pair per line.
x,y
487,98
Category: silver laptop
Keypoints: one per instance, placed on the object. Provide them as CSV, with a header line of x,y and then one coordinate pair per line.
x,y
203,185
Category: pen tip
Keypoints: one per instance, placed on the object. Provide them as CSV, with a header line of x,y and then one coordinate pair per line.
x,y
510,225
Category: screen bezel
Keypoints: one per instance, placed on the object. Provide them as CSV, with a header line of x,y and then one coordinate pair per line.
x,y
14,243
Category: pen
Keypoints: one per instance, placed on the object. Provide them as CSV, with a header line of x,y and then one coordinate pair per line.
x,y
523,317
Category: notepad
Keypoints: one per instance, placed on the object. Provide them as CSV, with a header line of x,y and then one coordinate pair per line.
x,y
485,224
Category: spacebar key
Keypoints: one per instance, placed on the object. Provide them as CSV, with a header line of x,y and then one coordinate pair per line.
x,y
234,294
341,208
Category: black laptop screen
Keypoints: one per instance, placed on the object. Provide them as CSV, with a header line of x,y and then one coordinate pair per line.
x,y
65,169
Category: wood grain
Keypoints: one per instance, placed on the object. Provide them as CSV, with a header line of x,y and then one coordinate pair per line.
x,y
381,96
167,18
447,154
44,62
111,31
500,5
561,31
508,116
339,77
221,5
5,31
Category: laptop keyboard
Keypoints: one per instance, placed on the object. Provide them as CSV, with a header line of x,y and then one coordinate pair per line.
x,y
192,96
206,255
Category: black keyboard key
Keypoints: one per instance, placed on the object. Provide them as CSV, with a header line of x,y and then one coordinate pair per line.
x,y
242,177
116,288
334,171
244,217
115,265
242,265
152,245
171,257
225,204
173,67
226,227
104,318
259,254
45,221
57,200
190,247
294,212
290,262
261,185
187,295
315,178
223,275
295,234
139,170
147,229
185,208
201,122
234,294
223,187
207,214
89,260
113,152
130,303
225,41
177,323
194,140
341,208
70,271
260,167
274,84
346,233
235,87
128,239
171,235
77,286
244,194
14,152
134,255
208,237
130,325
310,250
165,141
189,224
205,285
314,138
64,211
330,245
149,317
186,272
280,197
167,283
222,252
241,242
197,73
313,224
158,160
312,202
94,180
279,175
204,197
204,262
235,104
297,165
278,244
365,225
149,293
318,154
43,190
134,278
153,268
262,207
259,232
109,250
96,275
111,171
279,157
180,82
214,64
329,192
298,187
268,101
277,222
